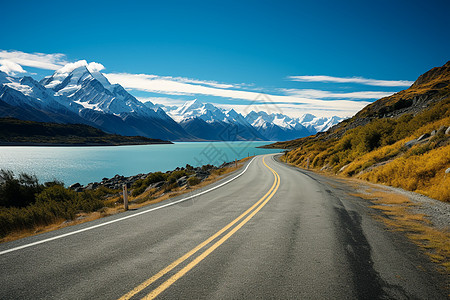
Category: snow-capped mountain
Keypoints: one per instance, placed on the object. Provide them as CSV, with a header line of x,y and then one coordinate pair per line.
x,y
206,121
196,109
209,122
80,93
281,127
316,124
26,98
86,96
91,90
277,127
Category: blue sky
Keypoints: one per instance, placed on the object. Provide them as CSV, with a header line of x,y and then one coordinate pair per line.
x,y
230,53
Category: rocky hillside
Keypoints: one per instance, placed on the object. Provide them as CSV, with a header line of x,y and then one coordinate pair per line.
x,y
402,140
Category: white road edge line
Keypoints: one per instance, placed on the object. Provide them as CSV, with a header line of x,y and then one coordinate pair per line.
x,y
124,218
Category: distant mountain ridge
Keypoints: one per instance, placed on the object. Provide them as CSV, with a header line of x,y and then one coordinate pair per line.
x,y
79,94
14,132
206,120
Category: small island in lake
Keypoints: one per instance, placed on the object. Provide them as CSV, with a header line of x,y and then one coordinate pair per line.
x,y
14,132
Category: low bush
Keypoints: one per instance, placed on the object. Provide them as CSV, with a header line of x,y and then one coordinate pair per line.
x,y
194,180
45,203
142,184
18,191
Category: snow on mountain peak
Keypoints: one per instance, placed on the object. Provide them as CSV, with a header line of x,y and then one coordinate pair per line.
x,y
307,118
189,106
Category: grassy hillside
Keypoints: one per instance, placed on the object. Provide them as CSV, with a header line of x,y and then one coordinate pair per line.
x,y
401,140
18,132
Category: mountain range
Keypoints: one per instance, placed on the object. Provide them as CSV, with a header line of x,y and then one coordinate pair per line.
x,y
79,94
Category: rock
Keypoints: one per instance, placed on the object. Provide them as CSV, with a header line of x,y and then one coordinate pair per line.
x,y
343,168
92,186
225,164
158,184
447,171
447,131
201,174
423,136
410,143
325,167
433,133
182,181
75,186
441,130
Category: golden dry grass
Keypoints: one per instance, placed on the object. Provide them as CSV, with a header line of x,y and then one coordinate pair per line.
x,y
398,214
423,173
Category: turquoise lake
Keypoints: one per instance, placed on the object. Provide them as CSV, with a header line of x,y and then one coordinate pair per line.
x,y
91,164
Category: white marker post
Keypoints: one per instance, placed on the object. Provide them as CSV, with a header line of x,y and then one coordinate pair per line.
x,y
125,197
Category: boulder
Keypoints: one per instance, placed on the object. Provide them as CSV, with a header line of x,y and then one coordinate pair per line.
x,y
158,184
75,186
91,186
182,181
441,130
411,143
447,131
423,136
343,168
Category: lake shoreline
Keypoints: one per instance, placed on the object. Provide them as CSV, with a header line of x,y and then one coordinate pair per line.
x,y
86,164
26,144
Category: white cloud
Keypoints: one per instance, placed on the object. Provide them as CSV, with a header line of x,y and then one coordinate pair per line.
x,y
201,82
291,101
10,67
154,84
92,67
36,60
319,94
360,80
95,67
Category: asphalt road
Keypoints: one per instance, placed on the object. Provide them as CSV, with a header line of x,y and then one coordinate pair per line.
x,y
274,232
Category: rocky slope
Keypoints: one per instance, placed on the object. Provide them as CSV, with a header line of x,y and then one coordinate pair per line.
x,y
402,140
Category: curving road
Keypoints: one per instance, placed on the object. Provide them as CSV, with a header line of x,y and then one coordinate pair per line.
x,y
270,231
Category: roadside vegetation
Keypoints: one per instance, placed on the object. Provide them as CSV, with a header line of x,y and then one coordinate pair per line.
x,y
25,203
378,152
28,207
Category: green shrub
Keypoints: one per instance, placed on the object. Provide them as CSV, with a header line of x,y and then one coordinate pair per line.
x,y
194,180
20,191
171,179
139,190
47,203
140,185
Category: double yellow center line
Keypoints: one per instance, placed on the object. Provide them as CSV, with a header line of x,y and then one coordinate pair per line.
x,y
246,216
